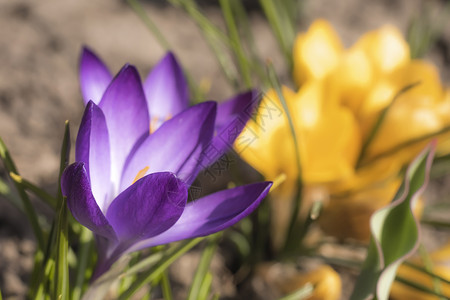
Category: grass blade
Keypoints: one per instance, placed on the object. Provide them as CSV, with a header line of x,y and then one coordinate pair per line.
x,y
28,207
291,236
284,32
379,122
216,39
203,267
150,275
235,41
61,290
302,293
395,232
40,193
165,286
83,258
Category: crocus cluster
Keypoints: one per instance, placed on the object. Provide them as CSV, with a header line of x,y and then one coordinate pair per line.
x,y
345,163
139,148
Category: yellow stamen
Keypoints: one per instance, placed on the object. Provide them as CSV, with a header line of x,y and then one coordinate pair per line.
x,y
154,122
279,180
140,174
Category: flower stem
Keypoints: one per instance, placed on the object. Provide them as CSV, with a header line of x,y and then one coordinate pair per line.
x,y
28,207
203,267
169,257
375,129
235,40
292,233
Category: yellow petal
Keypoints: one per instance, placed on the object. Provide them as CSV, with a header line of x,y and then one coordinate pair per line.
x,y
416,113
316,52
386,48
352,78
327,283
328,135
265,137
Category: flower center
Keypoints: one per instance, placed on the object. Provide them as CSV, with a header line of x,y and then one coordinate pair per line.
x,y
155,122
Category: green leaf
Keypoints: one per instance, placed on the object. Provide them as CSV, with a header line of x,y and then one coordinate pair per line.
x,y
282,26
424,30
395,232
153,273
61,261
235,41
291,241
165,286
28,207
203,266
305,292
217,40
10,195
375,129
84,256
62,241
40,193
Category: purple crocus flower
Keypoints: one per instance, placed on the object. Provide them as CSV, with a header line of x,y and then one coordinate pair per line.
x,y
139,148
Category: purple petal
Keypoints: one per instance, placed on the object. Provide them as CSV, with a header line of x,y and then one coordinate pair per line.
x,y
177,146
240,106
94,76
232,116
166,90
76,187
92,148
126,116
211,214
148,207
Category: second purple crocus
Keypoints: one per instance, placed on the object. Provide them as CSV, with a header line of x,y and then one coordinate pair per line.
x,y
139,148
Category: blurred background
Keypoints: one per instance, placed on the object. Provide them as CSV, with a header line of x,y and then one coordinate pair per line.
x,y
40,44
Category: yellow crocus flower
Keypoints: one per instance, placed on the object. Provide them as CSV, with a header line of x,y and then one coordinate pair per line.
x,y
341,96
327,134
316,52
285,279
328,139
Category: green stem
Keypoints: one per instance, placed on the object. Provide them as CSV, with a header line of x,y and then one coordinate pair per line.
x,y
291,236
40,193
205,288
283,32
435,223
213,36
140,12
426,259
302,293
419,287
165,286
375,129
235,40
62,245
203,267
424,270
61,290
169,257
405,145
28,207
84,256
248,38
